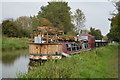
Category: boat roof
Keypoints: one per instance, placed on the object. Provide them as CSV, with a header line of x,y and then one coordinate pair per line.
x,y
85,35
47,29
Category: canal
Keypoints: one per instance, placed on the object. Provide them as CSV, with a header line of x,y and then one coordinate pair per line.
x,y
14,63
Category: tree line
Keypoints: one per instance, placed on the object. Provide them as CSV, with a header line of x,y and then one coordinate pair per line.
x,y
114,34
55,14
21,27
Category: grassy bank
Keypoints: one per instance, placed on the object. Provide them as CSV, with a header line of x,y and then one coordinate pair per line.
x,y
14,43
97,63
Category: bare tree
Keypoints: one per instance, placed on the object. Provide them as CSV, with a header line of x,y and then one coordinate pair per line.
x,y
79,19
24,22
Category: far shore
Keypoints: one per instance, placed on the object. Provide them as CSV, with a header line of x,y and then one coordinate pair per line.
x,y
10,43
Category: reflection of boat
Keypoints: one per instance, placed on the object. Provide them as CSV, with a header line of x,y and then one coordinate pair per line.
x,y
34,64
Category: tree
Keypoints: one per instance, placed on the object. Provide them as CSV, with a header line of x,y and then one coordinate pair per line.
x,y
10,28
105,38
24,22
79,19
39,21
114,33
96,33
25,26
85,31
17,28
58,13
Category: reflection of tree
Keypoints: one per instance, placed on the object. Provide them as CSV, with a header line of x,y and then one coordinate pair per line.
x,y
8,57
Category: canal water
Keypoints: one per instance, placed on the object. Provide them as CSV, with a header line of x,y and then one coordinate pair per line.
x,y
14,63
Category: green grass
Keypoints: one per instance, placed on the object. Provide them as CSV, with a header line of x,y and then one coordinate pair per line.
x,y
14,43
97,63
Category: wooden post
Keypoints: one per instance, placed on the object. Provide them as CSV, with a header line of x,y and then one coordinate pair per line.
x,y
56,38
63,33
47,49
40,48
47,37
32,37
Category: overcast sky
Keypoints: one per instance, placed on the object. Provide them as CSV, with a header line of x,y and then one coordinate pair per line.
x,y
96,12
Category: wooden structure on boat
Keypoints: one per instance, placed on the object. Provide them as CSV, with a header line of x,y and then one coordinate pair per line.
x,y
45,43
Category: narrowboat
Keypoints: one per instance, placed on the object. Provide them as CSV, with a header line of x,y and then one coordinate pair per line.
x,y
51,43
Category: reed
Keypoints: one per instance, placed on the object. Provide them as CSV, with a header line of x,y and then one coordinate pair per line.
x,y
14,43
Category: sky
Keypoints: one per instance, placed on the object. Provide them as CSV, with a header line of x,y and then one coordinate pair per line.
x,y
96,12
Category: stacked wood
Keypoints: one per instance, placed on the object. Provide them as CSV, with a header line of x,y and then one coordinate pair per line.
x,y
50,30
52,35
49,34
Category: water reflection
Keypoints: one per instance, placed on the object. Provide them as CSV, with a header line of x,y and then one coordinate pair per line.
x,y
8,57
14,62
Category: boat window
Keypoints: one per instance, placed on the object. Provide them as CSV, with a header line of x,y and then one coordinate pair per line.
x,y
83,37
68,46
86,45
78,48
83,46
74,47
69,49
96,44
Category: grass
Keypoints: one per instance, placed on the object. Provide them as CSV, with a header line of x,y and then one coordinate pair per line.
x,y
97,63
14,43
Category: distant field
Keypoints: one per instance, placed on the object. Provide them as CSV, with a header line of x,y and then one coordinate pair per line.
x,y
14,43
98,63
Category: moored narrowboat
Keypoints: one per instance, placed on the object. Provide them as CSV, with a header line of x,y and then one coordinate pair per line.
x,y
51,43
